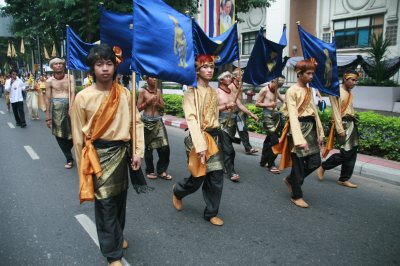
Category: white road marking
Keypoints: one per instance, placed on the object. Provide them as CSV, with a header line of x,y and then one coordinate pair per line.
x,y
1,112
90,228
31,153
10,125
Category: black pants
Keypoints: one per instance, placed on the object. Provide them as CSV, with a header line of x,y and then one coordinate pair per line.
x,y
110,224
302,167
244,138
212,190
345,158
19,114
228,153
66,146
163,160
267,156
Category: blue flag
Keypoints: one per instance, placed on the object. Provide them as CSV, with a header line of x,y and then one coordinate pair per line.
x,y
225,46
77,51
117,29
283,39
162,42
265,62
326,75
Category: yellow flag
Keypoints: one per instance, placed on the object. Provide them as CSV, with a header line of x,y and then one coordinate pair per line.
x,y
22,50
13,51
54,52
9,50
46,54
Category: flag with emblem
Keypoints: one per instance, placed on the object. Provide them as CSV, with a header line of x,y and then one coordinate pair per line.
x,y
326,75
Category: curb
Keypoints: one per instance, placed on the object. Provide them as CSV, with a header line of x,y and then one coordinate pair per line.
x,y
366,166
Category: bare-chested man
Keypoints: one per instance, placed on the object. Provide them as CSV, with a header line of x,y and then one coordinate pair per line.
x,y
226,102
272,124
242,117
60,97
151,103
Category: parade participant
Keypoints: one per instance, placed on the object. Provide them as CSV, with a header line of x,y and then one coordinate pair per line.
x,y
101,122
87,81
15,86
151,103
343,117
242,117
204,159
229,106
7,93
2,83
32,98
306,132
272,122
60,97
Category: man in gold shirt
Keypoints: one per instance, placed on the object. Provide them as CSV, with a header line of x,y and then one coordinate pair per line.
x,y
101,128
346,129
205,160
306,134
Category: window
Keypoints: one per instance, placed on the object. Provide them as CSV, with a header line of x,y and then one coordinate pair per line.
x,y
357,32
249,38
326,37
391,34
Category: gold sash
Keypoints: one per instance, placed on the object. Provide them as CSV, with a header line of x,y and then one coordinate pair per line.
x,y
90,163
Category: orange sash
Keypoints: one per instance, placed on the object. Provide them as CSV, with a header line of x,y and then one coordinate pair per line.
x,y
90,163
283,146
331,138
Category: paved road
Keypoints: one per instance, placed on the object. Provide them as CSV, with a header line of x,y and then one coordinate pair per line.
x,y
39,208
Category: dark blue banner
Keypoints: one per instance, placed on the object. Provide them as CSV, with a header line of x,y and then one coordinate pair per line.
x,y
225,46
117,29
162,42
265,62
77,51
326,75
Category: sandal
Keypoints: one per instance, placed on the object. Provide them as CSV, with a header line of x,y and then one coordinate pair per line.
x,y
151,176
165,176
69,165
234,177
274,170
251,151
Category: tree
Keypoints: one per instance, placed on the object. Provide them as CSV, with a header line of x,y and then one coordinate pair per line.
x,y
377,52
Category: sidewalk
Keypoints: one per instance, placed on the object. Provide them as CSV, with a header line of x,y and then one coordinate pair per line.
x,y
366,166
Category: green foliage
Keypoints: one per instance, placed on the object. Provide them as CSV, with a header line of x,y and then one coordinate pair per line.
x,y
378,133
372,82
173,105
379,47
252,125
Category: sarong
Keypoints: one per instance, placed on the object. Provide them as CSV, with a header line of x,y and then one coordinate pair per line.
x,y
271,122
155,134
113,161
351,130
32,103
215,162
230,126
309,131
61,123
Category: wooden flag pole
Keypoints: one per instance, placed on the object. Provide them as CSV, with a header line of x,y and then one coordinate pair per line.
x,y
133,118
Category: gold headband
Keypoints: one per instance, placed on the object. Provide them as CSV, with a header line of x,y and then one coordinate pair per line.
x,y
350,76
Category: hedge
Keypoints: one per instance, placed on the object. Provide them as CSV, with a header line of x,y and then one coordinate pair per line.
x,y
379,134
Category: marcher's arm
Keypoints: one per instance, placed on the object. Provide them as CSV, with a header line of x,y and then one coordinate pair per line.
x,y
189,109
47,98
78,120
141,104
245,110
260,98
295,128
337,116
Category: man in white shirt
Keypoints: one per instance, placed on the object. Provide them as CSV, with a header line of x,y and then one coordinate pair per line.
x,y
15,86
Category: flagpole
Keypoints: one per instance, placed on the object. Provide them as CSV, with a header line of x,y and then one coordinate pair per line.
x,y
133,119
